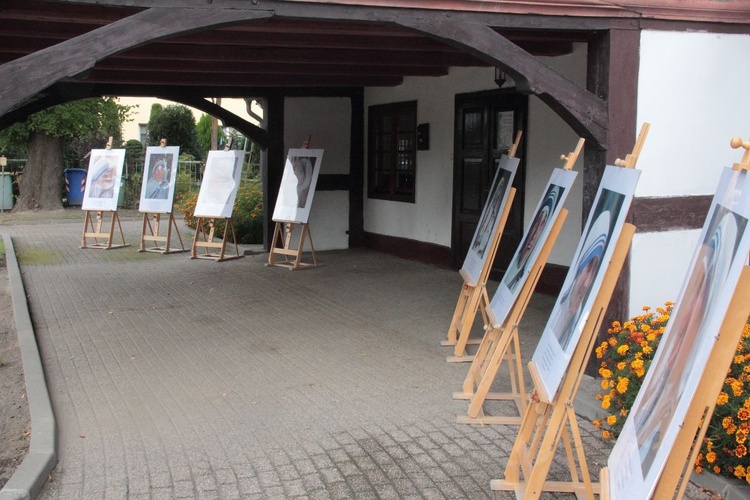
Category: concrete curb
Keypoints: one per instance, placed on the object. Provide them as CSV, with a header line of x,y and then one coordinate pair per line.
x,y
31,475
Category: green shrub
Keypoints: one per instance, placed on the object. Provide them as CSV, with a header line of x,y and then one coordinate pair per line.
x,y
247,216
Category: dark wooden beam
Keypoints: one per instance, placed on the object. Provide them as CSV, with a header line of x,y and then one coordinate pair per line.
x,y
585,112
21,79
218,69
229,119
243,80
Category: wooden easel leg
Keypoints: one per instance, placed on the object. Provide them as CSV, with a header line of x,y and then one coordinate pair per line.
x,y
467,322
86,221
198,232
312,247
173,222
463,299
145,223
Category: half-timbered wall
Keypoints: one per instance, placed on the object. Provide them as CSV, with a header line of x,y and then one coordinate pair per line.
x,y
692,88
328,121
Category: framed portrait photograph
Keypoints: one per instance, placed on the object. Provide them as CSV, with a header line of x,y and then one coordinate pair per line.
x,y
476,256
533,240
649,433
103,180
298,183
159,176
219,184
570,312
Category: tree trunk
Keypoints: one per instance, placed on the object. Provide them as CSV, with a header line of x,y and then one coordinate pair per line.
x,y
42,181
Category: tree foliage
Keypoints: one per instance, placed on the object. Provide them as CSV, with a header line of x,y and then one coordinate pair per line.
x,y
175,123
204,133
58,137
81,124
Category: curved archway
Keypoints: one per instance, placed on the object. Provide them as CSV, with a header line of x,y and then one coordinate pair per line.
x,y
23,79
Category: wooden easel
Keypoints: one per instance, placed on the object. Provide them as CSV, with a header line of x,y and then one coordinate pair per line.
x,y
92,231
474,296
153,234
282,243
205,239
547,420
154,229
501,342
283,234
675,476
551,417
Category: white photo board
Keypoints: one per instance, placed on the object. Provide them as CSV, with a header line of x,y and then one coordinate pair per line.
x,y
298,183
505,171
159,177
585,276
519,268
219,185
649,433
103,180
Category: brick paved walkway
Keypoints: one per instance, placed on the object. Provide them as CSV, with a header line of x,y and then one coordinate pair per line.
x,y
174,378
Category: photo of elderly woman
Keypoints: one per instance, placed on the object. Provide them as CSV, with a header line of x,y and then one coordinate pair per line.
x,y
103,179
157,185
573,299
664,388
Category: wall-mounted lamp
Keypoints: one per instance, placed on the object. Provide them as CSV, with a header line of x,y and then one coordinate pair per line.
x,y
500,77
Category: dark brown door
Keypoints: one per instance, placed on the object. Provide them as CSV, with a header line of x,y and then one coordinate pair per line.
x,y
486,124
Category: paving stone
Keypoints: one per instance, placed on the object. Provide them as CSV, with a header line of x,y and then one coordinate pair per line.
x,y
196,379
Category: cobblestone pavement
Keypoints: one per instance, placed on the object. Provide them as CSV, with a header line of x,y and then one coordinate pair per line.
x,y
175,378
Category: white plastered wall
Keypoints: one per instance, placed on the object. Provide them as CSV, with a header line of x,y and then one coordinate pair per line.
x,y
429,218
328,121
691,89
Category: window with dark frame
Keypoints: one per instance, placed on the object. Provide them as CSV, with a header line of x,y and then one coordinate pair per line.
x,y
392,151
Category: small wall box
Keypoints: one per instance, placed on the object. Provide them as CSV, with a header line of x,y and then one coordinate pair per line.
x,y
423,137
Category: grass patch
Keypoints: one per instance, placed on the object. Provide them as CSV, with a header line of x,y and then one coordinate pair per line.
x,y
2,249
36,256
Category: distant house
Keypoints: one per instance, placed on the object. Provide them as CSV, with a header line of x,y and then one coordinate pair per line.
x,y
413,101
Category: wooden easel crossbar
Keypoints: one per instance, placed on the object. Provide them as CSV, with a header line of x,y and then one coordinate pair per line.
x,y
548,419
205,233
150,232
282,246
93,231
501,343
675,475
474,297
551,417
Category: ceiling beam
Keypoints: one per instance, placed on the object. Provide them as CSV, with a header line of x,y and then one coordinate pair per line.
x,y
22,78
583,111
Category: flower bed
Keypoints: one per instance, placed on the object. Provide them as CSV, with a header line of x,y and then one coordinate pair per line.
x,y
626,356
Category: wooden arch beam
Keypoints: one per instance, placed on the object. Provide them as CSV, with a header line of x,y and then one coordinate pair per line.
x,y
24,78
248,129
585,112
229,119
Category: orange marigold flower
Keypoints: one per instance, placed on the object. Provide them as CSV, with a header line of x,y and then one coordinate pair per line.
x,y
740,471
743,413
606,434
740,452
722,399
622,385
711,457
611,420
717,469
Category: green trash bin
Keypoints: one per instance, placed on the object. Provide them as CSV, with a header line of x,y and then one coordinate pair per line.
x,y
6,190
